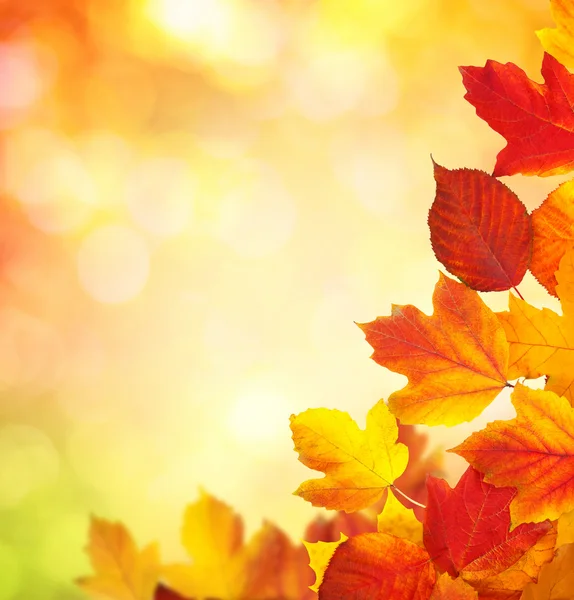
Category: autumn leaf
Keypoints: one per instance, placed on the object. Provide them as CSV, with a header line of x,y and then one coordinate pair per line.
x,y
556,581
320,553
533,452
358,464
553,231
565,529
542,342
559,42
466,529
397,520
536,120
447,588
480,231
329,529
509,584
122,572
455,360
269,567
377,566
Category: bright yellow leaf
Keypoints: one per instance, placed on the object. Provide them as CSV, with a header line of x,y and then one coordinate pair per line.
x,y
320,554
358,464
560,41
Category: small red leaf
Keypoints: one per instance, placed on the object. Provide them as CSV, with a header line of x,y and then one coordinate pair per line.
x,y
466,529
480,231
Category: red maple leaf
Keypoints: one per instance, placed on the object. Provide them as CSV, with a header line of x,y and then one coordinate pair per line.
x,y
537,120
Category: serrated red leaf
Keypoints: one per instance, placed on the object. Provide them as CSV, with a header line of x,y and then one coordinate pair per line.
x,y
378,566
480,231
466,529
537,120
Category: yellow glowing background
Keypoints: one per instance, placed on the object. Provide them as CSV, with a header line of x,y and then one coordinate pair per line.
x,y
199,197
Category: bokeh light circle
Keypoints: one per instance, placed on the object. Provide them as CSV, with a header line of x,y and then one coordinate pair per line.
x,y
159,195
113,264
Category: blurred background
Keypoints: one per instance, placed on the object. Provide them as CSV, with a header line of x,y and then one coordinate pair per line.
x,y
197,199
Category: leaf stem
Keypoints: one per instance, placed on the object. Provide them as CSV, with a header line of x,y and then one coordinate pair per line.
x,y
519,294
396,489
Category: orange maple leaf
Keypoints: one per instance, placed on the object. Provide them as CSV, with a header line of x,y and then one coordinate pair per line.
x,y
542,342
556,581
533,453
456,360
536,120
447,588
122,572
359,465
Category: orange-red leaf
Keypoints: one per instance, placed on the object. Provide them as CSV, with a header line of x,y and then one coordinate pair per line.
x,y
553,234
455,360
377,566
466,529
533,452
536,120
480,231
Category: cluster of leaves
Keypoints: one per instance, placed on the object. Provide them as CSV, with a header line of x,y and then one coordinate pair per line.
x,y
506,530
223,567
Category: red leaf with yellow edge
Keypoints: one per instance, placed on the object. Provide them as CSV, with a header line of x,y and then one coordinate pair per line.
x,y
542,342
480,231
556,581
560,41
359,465
536,120
466,529
509,584
377,566
447,588
553,231
533,452
122,571
455,360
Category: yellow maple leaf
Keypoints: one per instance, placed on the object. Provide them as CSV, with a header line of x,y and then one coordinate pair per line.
x,y
447,588
556,580
122,572
542,342
268,567
359,465
560,42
